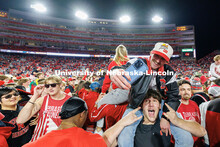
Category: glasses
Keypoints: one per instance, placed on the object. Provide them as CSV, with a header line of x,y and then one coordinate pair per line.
x,y
52,85
10,95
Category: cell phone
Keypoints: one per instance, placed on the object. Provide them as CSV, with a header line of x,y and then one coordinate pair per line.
x,y
136,70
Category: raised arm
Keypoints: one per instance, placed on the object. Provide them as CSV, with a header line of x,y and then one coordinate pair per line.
x,y
32,106
191,126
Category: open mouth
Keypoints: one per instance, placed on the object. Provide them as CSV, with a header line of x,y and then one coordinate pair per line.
x,y
151,113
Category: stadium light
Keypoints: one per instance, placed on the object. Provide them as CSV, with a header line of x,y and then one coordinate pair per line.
x,y
39,7
81,15
157,19
125,19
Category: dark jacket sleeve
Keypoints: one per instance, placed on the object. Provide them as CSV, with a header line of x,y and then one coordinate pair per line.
x,y
171,91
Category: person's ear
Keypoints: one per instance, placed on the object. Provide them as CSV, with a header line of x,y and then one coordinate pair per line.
x,y
83,114
160,106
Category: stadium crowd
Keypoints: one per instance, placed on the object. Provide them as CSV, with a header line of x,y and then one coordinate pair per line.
x,y
40,108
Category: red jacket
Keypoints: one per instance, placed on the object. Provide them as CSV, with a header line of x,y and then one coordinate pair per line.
x,y
107,81
212,122
90,100
82,93
5,133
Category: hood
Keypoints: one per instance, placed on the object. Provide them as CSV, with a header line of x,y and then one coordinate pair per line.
x,y
6,131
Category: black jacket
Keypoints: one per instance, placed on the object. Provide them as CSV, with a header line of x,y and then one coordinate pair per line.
x,y
21,134
166,85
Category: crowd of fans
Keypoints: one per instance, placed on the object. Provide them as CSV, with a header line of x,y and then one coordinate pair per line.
x,y
17,64
29,85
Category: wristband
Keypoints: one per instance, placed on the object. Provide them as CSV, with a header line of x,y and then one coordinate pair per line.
x,y
165,118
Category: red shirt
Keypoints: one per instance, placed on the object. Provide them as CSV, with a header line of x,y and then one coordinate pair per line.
x,y
191,112
72,137
107,81
49,118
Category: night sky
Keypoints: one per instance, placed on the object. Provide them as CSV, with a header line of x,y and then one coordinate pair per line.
x,y
203,14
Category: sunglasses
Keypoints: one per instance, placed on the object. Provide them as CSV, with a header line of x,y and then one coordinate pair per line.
x,y
10,95
52,85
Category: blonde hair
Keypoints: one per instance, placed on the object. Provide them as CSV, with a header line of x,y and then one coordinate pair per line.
x,y
120,54
41,81
22,81
217,57
57,79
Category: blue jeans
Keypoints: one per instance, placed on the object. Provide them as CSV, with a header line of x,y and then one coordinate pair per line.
x,y
126,137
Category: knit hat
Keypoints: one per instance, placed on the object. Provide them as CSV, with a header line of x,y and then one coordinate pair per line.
x,y
163,49
94,85
196,85
214,91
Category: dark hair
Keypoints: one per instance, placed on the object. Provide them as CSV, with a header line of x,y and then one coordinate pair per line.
x,y
181,82
6,90
154,94
86,85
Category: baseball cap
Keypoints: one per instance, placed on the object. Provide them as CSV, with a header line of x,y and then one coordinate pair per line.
x,y
94,85
71,79
196,84
214,90
163,49
72,107
22,90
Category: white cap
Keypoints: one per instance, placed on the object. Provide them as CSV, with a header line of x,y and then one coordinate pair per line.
x,y
163,49
214,91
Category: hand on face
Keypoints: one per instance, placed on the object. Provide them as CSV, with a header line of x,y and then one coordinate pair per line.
x,y
38,90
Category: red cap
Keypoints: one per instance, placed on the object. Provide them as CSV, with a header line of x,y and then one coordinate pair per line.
x,y
197,79
203,79
18,77
10,81
71,79
187,78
